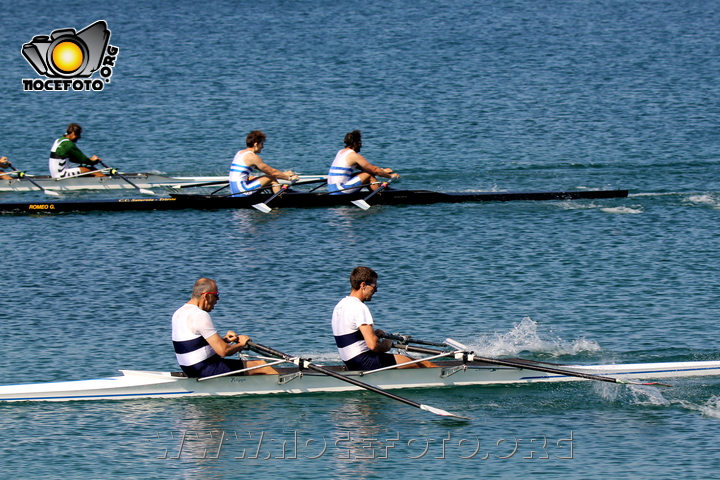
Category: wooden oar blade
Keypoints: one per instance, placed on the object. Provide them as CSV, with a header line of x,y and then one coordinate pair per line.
x,y
362,204
262,207
442,413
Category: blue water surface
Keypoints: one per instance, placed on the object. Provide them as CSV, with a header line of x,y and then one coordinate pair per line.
x,y
456,95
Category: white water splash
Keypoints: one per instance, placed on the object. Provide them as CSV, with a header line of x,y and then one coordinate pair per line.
x,y
524,337
633,394
704,199
571,205
710,409
635,209
647,395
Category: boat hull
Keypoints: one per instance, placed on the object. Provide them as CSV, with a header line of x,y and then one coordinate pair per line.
x,y
143,384
298,200
86,182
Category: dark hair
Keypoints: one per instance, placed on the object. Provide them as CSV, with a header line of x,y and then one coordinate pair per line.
x,y
353,138
360,275
74,128
256,136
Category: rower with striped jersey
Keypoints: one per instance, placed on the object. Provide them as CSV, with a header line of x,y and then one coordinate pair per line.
x,y
358,343
350,171
198,346
64,152
245,161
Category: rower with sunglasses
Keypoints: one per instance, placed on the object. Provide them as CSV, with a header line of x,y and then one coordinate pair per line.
x,y
358,342
4,163
199,348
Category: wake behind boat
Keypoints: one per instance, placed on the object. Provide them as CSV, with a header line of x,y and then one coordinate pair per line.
x,y
134,384
298,199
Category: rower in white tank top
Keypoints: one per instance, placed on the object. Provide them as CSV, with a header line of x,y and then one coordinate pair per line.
x,y
341,177
246,160
240,181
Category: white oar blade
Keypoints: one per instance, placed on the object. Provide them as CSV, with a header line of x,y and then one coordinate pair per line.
x,y
441,412
145,191
51,192
361,203
455,344
262,207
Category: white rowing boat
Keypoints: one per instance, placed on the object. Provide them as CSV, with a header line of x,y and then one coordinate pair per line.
x,y
133,384
116,182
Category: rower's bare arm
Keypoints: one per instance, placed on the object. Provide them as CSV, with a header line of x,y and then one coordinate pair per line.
x,y
225,349
365,166
373,342
273,172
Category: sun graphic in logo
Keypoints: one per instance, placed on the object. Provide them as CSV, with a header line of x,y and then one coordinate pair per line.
x,y
67,56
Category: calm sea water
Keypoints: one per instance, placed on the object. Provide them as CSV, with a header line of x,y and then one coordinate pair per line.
x,y
457,96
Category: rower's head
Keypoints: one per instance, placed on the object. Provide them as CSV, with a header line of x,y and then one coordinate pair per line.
x,y
205,294
256,139
73,132
363,281
353,140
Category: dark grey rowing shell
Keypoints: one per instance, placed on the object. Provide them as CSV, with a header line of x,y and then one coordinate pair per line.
x,y
298,200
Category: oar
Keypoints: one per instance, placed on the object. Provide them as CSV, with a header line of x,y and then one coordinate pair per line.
x,y
113,171
363,203
204,184
22,175
404,339
246,192
509,363
302,363
263,207
11,172
83,174
221,188
301,181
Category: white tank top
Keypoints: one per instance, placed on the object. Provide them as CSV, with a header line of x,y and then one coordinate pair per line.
x,y
239,171
347,317
59,166
340,172
190,327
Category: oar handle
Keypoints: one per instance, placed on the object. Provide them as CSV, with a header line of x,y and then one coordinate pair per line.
x,y
382,187
405,339
113,171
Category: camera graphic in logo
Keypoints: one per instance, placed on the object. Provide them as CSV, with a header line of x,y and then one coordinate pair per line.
x,y
67,53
